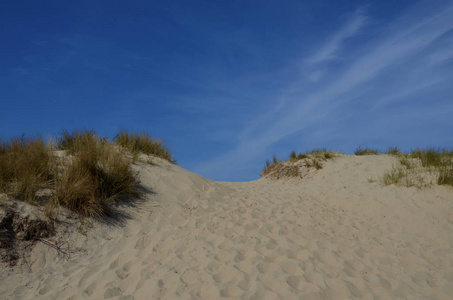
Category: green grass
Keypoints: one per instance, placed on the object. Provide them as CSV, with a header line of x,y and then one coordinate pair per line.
x,y
437,159
142,143
419,164
393,150
366,151
446,176
271,166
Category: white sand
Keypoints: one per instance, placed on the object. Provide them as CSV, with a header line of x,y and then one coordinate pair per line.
x,y
331,235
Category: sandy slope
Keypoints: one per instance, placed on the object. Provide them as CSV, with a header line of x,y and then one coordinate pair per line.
x,y
331,235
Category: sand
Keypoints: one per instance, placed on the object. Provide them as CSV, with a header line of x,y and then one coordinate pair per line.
x,y
337,233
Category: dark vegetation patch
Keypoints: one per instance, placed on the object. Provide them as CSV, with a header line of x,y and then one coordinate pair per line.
x,y
15,229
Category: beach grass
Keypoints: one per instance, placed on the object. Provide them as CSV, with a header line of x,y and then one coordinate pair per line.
x,y
26,165
142,143
89,177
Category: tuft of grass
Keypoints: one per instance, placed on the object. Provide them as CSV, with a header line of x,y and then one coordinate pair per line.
x,y
433,157
394,175
26,165
311,159
393,150
76,140
366,151
317,151
440,160
293,156
317,164
406,162
97,176
271,166
446,176
143,143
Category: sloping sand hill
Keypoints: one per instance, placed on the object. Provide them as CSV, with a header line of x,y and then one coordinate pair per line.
x,y
334,234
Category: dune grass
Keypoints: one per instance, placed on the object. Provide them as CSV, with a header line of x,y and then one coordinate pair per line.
x,y
26,165
439,159
420,168
89,179
97,176
418,165
393,150
143,143
366,151
312,159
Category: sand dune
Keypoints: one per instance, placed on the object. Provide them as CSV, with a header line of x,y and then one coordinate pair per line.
x,y
334,234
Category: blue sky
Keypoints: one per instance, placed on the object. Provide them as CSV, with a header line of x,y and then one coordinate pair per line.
x,y
227,84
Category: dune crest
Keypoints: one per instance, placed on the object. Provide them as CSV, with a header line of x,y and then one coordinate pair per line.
x,y
335,233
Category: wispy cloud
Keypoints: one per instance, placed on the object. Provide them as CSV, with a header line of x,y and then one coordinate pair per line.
x,y
329,50
404,45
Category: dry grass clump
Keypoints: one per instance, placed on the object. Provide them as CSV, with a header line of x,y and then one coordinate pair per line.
x,y
393,151
77,140
97,176
91,177
311,159
421,168
271,166
394,176
26,165
143,143
439,160
366,151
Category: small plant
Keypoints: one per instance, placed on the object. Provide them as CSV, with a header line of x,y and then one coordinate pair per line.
x,y
143,143
366,151
393,150
317,164
317,150
394,176
293,156
446,176
270,166
406,162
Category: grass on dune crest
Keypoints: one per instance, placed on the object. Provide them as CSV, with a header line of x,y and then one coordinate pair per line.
x,y
439,159
143,143
419,168
26,165
312,159
88,178
97,176
366,151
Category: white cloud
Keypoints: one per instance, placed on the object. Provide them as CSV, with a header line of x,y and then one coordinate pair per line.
x,y
402,42
329,49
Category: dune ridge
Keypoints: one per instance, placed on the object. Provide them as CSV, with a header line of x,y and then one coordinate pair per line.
x,y
335,233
